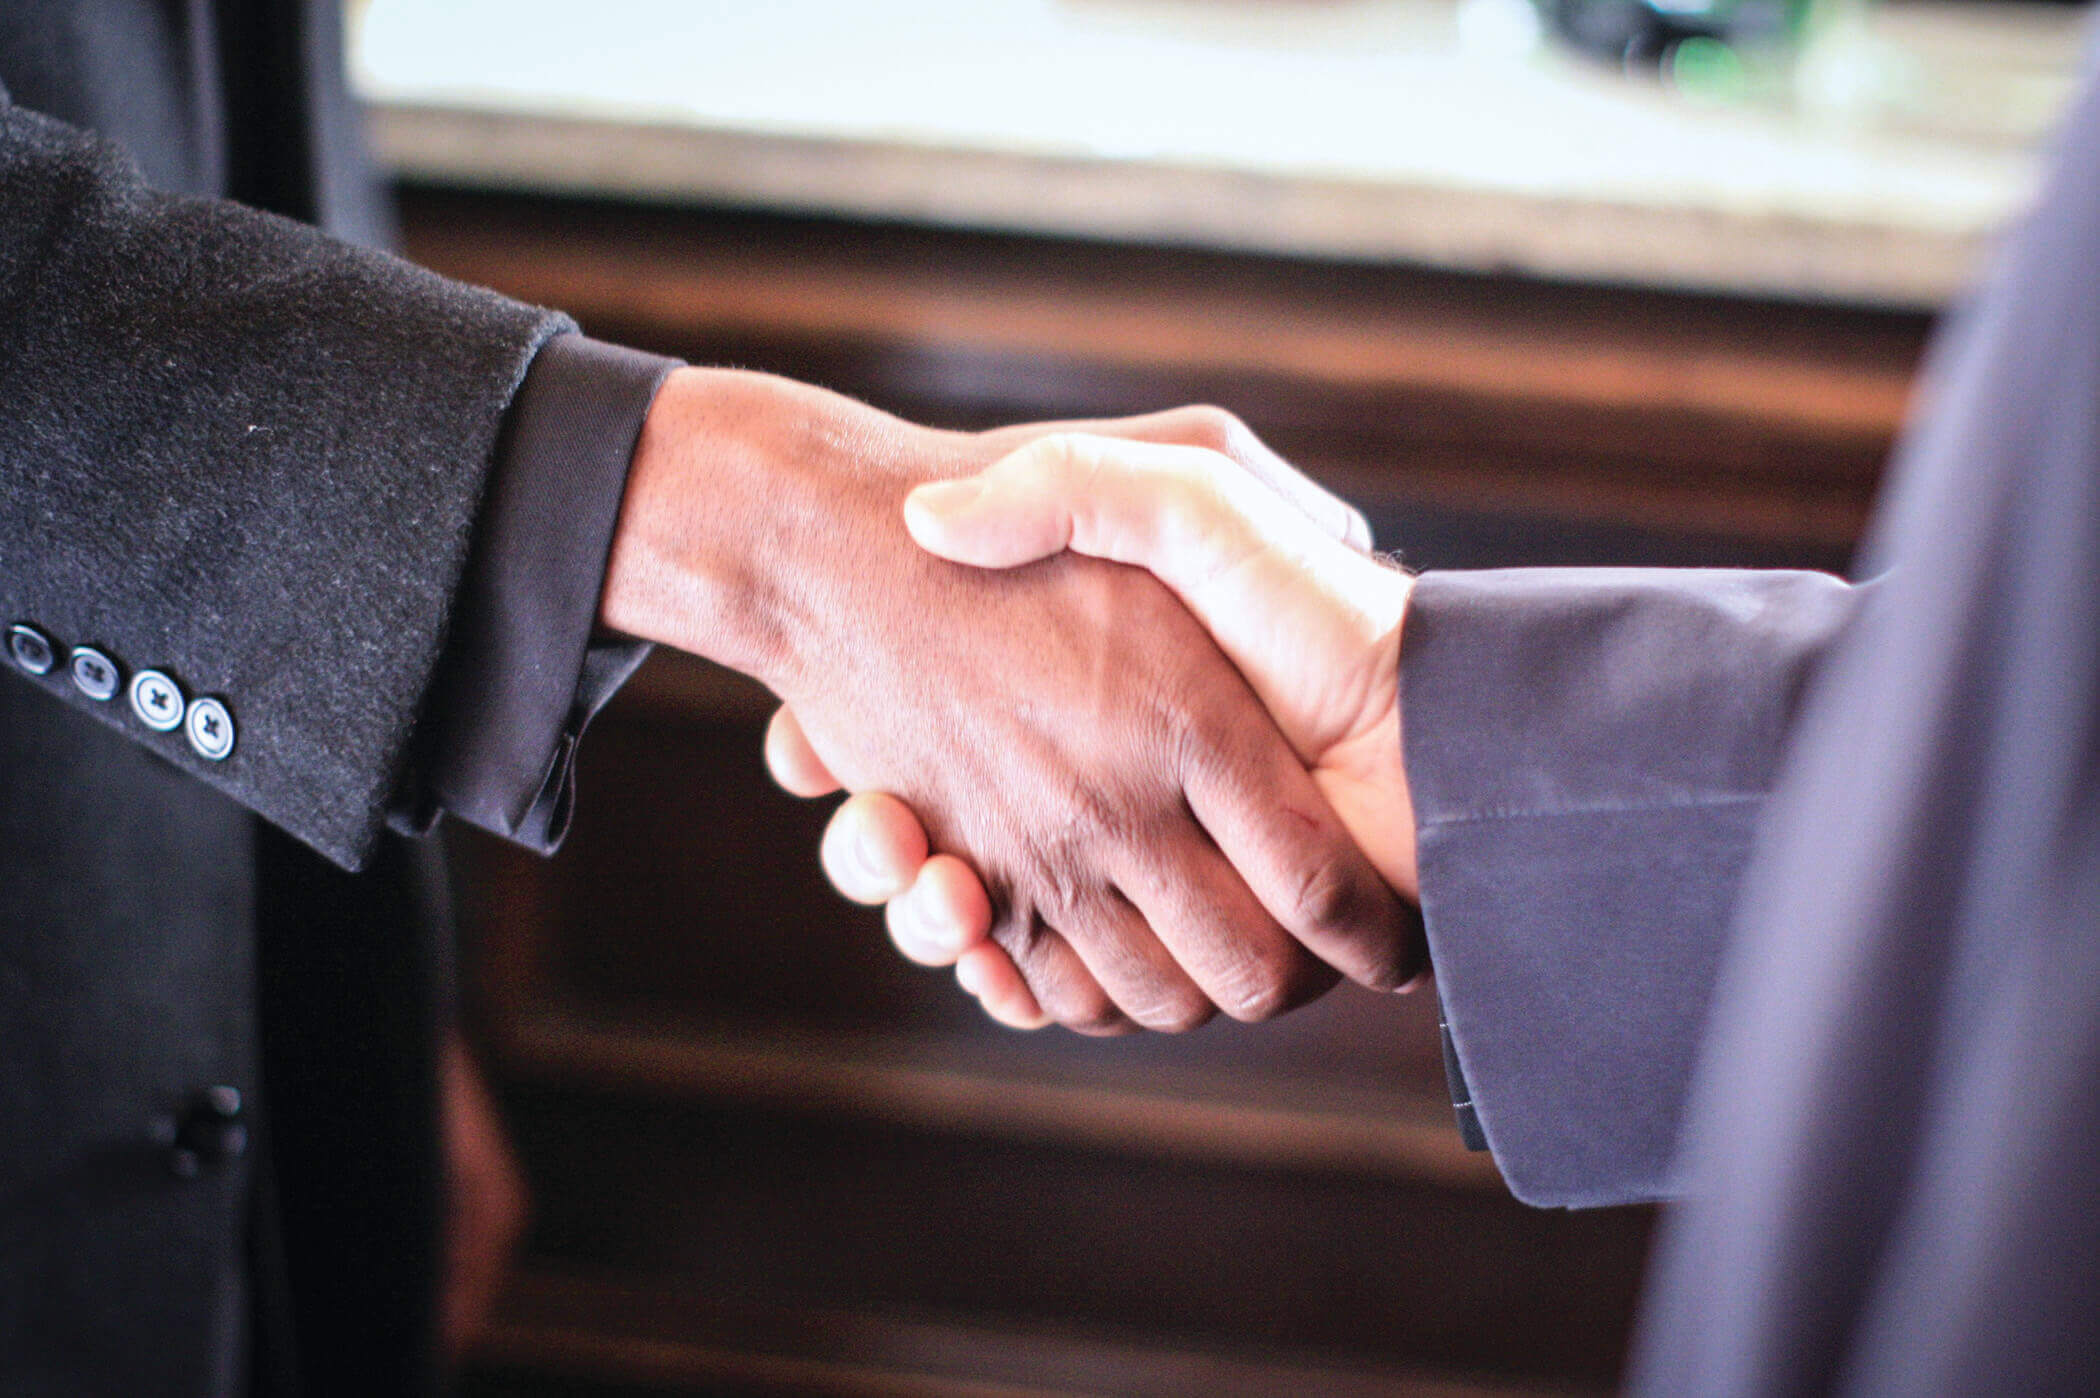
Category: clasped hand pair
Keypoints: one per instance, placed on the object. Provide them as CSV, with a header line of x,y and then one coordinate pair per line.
x,y
1117,701
1311,622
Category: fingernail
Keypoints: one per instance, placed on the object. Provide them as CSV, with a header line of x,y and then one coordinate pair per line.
x,y
946,497
869,858
969,977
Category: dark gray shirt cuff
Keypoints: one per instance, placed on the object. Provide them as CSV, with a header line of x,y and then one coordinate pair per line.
x,y
526,667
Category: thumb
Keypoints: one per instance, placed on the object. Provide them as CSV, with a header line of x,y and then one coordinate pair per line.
x,y
1011,514
1147,504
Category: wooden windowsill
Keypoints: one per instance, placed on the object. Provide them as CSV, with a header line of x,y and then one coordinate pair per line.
x,y
1383,131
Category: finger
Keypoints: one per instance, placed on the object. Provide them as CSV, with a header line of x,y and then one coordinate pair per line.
x,y
1224,432
1219,431
872,848
1016,511
1063,987
1278,831
1127,961
1205,916
943,914
988,973
792,761
1161,508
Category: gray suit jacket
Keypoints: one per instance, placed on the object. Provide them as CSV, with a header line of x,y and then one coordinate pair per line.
x,y
1783,898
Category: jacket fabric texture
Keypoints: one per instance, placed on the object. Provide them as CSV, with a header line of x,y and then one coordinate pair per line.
x,y
253,459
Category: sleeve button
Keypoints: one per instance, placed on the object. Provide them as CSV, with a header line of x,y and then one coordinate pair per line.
x,y
208,1133
94,674
210,729
31,649
157,701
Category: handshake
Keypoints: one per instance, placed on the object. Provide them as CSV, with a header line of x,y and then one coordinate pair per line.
x,y
1117,702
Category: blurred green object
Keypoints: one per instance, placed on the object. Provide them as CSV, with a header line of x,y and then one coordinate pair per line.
x,y
1719,48
1708,67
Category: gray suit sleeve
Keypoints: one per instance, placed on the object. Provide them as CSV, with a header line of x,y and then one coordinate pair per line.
x,y
1588,752
245,456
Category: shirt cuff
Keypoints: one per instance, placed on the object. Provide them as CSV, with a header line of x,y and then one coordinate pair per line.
x,y
1588,753
526,667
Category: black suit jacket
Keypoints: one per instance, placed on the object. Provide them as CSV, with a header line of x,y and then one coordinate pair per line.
x,y
257,461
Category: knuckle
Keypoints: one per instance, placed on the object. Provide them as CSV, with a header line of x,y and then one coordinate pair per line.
x,y
1393,960
1330,896
1022,935
1048,878
1211,426
1054,448
1263,1001
1356,526
1261,989
1069,456
1058,891
1090,819
1176,1015
1198,727
1386,947
1195,499
1087,1011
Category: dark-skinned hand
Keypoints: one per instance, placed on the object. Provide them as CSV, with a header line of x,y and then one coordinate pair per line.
x,y
1151,848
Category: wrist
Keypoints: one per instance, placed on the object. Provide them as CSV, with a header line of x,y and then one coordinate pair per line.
x,y
690,564
1368,791
1365,774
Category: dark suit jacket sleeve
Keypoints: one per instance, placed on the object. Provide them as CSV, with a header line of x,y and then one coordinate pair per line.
x,y
245,455
1588,752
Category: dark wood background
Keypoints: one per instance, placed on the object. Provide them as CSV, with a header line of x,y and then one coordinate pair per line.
x,y
769,1157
